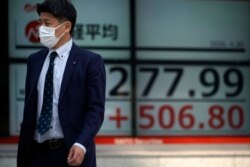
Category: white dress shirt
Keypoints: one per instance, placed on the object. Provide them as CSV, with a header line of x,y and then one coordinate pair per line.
x,y
55,132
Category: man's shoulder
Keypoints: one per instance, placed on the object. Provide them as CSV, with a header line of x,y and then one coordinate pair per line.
x,y
38,53
87,54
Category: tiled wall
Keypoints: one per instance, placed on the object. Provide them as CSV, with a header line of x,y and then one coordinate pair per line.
x,y
156,156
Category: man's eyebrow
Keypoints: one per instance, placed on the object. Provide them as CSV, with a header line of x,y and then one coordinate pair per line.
x,y
43,19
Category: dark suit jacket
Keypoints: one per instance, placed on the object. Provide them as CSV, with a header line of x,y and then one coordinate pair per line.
x,y
81,102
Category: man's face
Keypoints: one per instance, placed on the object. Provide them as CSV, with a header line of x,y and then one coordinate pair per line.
x,y
47,19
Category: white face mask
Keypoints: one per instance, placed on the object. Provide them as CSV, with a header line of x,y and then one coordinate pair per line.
x,y
48,37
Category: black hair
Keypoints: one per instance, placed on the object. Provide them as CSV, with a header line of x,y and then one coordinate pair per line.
x,y
61,9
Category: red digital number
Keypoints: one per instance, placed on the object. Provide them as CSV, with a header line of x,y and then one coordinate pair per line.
x,y
170,110
216,120
186,120
143,114
233,110
186,117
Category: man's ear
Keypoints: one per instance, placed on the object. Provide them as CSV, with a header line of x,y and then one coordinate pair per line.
x,y
68,26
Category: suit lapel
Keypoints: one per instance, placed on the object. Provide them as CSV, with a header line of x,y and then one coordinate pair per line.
x,y
38,64
70,66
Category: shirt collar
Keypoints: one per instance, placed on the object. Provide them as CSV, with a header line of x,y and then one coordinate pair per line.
x,y
63,51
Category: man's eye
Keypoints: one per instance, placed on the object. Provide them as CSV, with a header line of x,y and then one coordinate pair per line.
x,y
39,22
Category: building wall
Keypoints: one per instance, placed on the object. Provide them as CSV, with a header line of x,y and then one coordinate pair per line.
x,y
158,156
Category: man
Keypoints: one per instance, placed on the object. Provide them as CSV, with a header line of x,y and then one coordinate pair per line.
x,y
64,95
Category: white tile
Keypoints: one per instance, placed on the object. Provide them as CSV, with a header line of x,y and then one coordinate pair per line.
x,y
196,162
142,162
111,162
128,162
7,162
242,162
